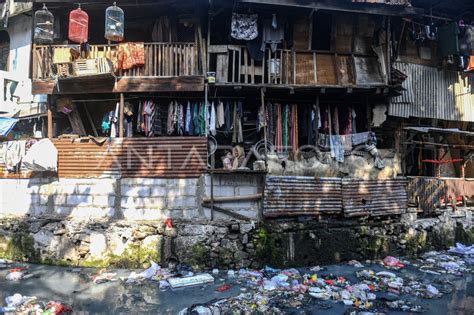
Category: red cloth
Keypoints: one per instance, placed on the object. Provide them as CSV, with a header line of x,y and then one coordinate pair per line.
x,y
131,55
442,161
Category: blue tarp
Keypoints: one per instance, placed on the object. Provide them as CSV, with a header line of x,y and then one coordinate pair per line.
x,y
6,125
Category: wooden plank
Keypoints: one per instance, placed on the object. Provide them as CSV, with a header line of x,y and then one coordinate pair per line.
x,y
315,69
369,8
246,68
121,115
124,85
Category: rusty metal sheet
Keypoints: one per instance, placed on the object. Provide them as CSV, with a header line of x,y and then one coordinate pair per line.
x,y
298,195
426,192
433,93
162,157
460,187
374,197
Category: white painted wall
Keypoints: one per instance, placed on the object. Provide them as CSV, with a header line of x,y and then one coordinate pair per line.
x,y
20,31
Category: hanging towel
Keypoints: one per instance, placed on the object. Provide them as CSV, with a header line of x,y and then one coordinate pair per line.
x,y
212,120
228,118
220,115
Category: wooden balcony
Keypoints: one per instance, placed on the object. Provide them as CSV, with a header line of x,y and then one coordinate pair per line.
x,y
168,67
234,65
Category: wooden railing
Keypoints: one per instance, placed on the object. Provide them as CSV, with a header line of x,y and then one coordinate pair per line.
x,y
234,65
161,60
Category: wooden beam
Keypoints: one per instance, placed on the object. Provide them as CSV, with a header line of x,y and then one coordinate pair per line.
x,y
121,115
367,8
50,120
124,85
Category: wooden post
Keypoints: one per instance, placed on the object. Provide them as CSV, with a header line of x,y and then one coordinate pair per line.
x,y
212,196
121,115
262,99
50,121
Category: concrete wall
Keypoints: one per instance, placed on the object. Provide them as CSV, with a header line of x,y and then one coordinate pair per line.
x,y
20,31
126,198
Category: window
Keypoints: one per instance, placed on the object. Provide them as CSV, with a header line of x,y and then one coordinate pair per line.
x,y
4,50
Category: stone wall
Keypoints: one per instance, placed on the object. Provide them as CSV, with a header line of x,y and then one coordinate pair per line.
x,y
126,198
225,244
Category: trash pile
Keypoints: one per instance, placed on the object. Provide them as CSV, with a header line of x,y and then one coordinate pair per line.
x,y
20,304
390,286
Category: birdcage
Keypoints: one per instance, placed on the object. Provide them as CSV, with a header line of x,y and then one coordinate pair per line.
x,y
114,23
44,26
78,26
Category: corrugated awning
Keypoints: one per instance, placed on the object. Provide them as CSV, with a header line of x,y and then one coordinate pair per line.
x,y
440,130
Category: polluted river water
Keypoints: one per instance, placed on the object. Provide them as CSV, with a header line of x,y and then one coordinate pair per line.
x,y
74,287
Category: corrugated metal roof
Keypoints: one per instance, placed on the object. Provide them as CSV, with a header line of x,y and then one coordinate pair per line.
x,y
434,93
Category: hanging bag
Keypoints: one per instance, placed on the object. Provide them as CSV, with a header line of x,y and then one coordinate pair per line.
x,y
244,26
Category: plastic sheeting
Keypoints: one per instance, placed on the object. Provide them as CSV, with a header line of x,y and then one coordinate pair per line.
x,y
42,157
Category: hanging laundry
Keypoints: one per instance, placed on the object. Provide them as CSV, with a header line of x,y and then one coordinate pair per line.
x,y
244,26
187,128
212,120
227,118
261,119
61,55
294,128
285,133
337,149
466,40
171,119
114,122
272,35
130,55
191,119
448,43
202,119
197,129
279,128
348,128
354,125
335,119
271,122
237,136
220,115
180,119
360,138
14,153
240,113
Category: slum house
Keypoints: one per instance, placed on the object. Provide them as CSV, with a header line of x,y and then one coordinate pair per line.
x,y
432,106
20,111
203,110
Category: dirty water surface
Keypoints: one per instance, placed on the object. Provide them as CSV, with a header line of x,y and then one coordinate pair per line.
x,y
74,287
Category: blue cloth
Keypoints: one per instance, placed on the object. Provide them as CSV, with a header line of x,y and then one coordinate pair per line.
x,y
6,125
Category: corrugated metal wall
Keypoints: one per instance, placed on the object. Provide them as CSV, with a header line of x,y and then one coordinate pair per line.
x,y
163,157
427,192
293,196
374,197
434,93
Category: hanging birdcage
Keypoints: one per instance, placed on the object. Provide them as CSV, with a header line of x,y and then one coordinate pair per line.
x,y
44,26
114,23
78,26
